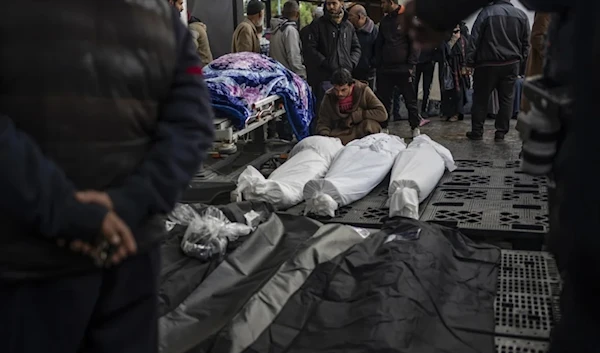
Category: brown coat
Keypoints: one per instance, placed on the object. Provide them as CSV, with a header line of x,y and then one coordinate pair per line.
x,y
245,38
535,62
198,30
364,119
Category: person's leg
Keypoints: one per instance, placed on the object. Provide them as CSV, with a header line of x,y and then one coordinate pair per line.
x,y
507,76
48,316
407,90
419,70
385,93
428,70
126,317
483,84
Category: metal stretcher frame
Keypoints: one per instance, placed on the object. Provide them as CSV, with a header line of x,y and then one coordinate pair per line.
x,y
263,111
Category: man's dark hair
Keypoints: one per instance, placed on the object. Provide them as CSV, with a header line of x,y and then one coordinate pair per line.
x,y
342,77
290,8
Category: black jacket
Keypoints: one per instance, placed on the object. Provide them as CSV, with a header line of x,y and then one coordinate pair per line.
x,y
367,35
128,114
329,46
500,35
394,50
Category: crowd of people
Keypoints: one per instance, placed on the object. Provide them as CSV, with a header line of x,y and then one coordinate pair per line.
x,y
343,38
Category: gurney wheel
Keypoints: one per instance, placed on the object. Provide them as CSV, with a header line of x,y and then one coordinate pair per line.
x,y
228,148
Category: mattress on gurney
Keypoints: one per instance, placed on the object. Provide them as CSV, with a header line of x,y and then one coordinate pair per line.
x,y
238,81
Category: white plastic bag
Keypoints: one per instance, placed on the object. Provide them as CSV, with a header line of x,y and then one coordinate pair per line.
x,y
417,171
355,172
208,234
309,159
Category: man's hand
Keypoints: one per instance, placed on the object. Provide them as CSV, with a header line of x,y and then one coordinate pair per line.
x,y
97,197
420,32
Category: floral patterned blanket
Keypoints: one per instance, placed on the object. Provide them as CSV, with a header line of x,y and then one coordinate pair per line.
x,y
238,80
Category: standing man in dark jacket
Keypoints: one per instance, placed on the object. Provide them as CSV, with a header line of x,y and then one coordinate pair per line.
x,y
101,128
331,44
396,59
367,35
497,49
572,62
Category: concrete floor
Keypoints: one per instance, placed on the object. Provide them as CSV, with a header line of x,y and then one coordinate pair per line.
x,y
452,136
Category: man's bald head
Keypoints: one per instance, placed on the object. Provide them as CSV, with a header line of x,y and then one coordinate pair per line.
x,y
358,10
357,15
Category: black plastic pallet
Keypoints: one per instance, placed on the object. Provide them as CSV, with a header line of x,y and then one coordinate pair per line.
x,y
524,197
527,303
496,163
493,178
484,219
511,345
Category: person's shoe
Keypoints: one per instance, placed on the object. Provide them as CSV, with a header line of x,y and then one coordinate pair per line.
x,y
385,131
473,136
416,132
499,136
424,122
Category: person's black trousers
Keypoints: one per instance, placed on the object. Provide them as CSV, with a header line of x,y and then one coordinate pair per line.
x,y
386,82
485,80
107,311
426,70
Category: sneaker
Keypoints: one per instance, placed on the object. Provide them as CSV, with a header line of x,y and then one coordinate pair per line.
x,y
473,136
416,132
424,122
499,137
385,131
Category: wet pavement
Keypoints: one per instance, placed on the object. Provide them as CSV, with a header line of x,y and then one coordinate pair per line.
x,y
452,136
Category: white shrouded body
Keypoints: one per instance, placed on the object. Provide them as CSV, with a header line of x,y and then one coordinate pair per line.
x,y
355,172
416,172
309,159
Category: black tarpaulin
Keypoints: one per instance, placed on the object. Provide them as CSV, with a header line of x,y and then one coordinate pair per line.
x,y
433,294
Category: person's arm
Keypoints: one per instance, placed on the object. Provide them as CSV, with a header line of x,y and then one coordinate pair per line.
x,y
355,50
324,121
244,40
311,47
183,135
375,110
379,42
37,193
294,52
372,59
477,32
525,35
204,47
413,53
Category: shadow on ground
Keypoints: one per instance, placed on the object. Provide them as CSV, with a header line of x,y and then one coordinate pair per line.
x,y
452,136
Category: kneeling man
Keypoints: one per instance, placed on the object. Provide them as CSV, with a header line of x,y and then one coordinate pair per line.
x,y
350,110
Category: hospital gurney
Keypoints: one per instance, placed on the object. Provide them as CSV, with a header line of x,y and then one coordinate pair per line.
x,y
263,111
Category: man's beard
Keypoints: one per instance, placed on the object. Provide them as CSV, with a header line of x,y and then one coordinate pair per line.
x,y
338,14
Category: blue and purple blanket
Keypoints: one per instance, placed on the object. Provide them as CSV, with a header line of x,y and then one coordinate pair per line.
x,y
238,80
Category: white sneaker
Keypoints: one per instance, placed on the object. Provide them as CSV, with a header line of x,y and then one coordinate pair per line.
x,y
385,131
416,132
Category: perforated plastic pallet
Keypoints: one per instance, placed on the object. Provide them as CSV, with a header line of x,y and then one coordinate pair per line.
x,y
511,345
490,219
525,197
479,164
527,299
493,178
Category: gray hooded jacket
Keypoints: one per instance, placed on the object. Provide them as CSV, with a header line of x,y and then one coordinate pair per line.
x,y
286,46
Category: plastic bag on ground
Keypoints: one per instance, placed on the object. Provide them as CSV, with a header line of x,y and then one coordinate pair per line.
x,y
309,159
208,234
355,172
416,172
